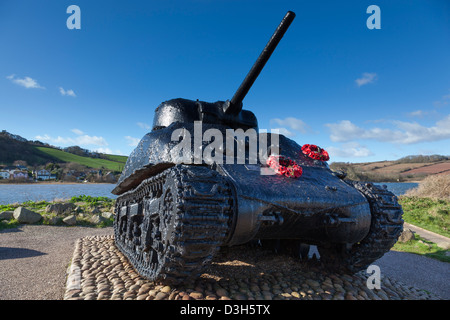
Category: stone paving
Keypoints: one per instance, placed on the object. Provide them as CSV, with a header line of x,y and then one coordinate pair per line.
x,y
100,272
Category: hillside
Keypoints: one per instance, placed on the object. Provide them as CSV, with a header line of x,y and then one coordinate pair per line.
x,y
38,154
95,163
408,169
13,149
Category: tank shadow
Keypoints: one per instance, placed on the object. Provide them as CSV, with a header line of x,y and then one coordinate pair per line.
x,y
17,253
250,260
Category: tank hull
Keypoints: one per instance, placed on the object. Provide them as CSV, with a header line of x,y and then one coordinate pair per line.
x,y
175,211
316,208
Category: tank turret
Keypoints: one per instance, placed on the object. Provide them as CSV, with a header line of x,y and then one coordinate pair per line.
x,y
227,112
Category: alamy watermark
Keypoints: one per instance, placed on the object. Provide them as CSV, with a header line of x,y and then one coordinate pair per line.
x,y
374,21
374,280
74,20
240,147
74,278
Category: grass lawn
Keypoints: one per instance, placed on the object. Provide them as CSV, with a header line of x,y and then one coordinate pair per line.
x,y
116,163
423,247
430,214
427,213
84,203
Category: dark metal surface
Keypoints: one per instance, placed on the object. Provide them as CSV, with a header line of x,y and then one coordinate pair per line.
x,y
188,111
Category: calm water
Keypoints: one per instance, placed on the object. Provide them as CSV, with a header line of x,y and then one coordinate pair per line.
x,y
399,188
48,192
12,193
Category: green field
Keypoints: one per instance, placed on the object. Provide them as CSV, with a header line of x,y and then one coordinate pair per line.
x,y
116,158
116,163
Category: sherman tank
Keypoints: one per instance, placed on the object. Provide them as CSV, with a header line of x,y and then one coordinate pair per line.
x,y
193,185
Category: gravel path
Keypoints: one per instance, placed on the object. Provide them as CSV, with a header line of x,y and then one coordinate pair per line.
x,y
34,260
419,271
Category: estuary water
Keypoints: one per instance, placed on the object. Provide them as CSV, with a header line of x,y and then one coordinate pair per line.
x,y
399,188
12,193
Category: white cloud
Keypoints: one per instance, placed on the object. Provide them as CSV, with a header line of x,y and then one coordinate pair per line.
x,y
445,99
344,131
80,140
104,150
404,133
45,137
290,124
417,113
77,131
422,113
133,142
143,125
26,82
349,150
109,151
283,131
69,92
366,79
94,140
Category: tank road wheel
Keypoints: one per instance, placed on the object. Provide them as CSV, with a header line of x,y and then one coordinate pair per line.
x,y
386,226
185,215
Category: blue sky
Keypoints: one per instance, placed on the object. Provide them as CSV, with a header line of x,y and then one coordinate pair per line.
x,y
362,94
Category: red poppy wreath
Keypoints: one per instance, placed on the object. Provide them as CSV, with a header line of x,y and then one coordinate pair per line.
x,y
284,166
315,152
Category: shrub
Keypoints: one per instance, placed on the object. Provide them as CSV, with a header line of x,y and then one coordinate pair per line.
x,y
435,186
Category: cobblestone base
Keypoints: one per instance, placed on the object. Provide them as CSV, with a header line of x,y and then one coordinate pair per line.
x,y
100,272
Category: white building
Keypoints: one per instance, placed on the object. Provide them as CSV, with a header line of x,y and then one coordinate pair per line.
x,y
19,174
4,174
42,175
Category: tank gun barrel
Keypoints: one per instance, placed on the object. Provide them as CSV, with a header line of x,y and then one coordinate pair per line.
x,y
235,105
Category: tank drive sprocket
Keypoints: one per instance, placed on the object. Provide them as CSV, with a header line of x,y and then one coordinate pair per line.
x,y
386,226
174,222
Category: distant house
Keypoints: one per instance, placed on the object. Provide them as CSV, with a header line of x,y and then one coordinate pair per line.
x,y
76,175
43,175
4,174
19,174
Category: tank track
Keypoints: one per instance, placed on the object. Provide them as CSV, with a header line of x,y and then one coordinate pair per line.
x,y
174,222
386,227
